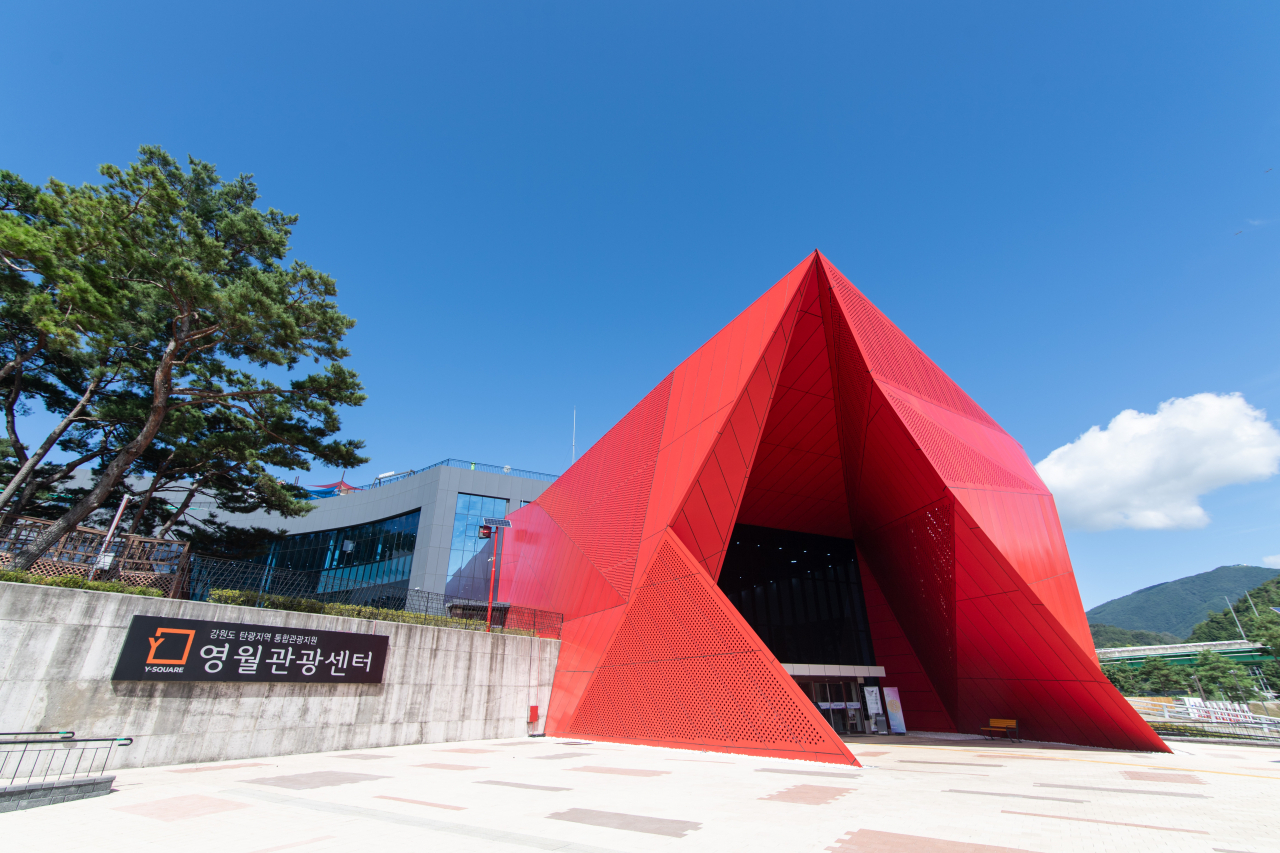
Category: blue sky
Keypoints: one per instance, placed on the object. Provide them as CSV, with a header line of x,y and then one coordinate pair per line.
x,y
534,206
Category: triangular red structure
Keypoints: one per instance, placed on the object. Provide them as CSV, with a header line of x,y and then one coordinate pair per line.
x,y
810,412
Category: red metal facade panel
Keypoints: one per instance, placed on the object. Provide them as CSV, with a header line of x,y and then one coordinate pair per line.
x,y
809,412
684,669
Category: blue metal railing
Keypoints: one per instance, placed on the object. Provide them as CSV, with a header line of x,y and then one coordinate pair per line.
x,y
455,463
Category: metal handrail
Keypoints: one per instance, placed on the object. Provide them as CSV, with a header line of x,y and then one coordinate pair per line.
x,y
454,463
121,741
61,758
61,735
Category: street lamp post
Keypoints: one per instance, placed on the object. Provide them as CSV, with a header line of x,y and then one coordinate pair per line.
x,y
486,530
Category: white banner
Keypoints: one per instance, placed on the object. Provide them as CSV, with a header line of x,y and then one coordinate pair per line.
x,y
873,700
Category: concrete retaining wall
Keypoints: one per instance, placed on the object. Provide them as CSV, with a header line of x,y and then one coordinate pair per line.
x,y
58,648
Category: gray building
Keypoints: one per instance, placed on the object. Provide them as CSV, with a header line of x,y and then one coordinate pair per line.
x,y
418,528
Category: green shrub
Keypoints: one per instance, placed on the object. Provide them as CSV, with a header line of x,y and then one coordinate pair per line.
x,y
253,598
67,582
77,582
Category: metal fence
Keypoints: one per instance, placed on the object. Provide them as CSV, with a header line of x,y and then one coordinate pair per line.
x,y
1218,720
257,585
27,757
132,560
168,566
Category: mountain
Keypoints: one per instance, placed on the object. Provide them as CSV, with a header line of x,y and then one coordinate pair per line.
x,y
1111,637
1254,615
1177,606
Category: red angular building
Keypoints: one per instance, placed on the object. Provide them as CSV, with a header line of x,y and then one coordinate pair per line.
x,y
805,500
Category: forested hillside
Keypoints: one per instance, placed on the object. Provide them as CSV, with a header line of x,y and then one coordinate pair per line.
x,y
1176,607
1111,637
1256,618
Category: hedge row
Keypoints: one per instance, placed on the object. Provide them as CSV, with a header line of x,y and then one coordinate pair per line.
x,y
77,582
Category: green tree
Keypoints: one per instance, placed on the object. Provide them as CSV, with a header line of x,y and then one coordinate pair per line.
x,y
213,309
60,317
1123,677
1159,677
1224,678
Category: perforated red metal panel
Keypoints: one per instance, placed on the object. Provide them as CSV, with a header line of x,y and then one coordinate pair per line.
x,y
684,669
809,412
601,501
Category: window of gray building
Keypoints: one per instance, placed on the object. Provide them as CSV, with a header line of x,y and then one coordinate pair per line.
x,y
375,553
471,511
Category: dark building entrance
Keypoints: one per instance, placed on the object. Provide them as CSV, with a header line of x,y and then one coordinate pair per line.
x,y
802,594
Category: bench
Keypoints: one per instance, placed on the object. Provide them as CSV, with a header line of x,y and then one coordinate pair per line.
x,y
1008,727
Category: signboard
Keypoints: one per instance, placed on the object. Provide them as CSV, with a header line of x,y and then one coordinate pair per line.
x,y
897,724
873,700
161,649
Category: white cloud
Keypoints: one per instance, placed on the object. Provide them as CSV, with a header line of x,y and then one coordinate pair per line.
x,y
1148,471
1273,561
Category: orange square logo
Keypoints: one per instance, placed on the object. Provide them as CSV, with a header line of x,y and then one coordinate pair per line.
x,y
158,639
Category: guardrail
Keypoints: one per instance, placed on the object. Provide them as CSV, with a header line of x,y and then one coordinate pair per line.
x,y
1207,719
457,463
42,760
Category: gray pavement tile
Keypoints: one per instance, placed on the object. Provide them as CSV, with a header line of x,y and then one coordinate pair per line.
x,y
629,822
563,755
363,756
1018,796
449,766
828,774
1122,790
315,779
517,839
420,802
621,771
525,785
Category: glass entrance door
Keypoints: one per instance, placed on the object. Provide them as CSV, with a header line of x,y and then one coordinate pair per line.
x,y
837,701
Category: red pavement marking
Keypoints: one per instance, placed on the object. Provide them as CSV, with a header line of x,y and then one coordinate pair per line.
x,y
1109,822
809,795
622,771
182,808
1147,776
872,841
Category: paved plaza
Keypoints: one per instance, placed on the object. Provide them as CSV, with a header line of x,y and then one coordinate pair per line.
x,y
912,794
